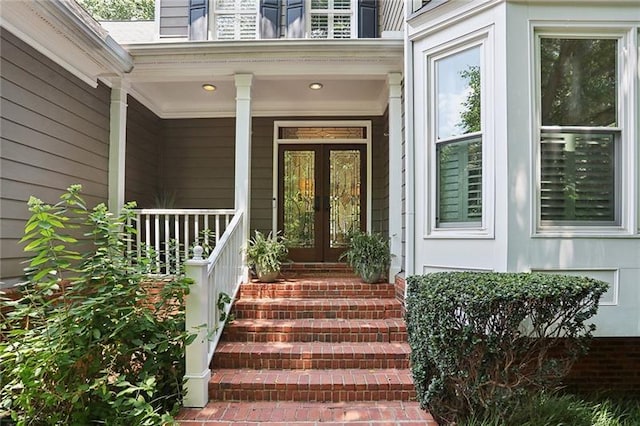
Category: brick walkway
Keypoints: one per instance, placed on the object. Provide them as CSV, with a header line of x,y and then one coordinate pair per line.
x,y
309,351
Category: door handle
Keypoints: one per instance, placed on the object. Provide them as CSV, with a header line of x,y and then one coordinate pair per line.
x,y
326,203
316,203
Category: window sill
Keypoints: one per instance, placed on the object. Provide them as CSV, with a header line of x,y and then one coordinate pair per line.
x,y
584,232
460,234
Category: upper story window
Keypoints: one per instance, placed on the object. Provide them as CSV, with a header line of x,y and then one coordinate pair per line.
x,y
580,131
331,19
235,19
458,139
269,19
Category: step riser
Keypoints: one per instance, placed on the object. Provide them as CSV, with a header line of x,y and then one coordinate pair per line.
x,y
231,335
301,312
261,363
324,291
324,395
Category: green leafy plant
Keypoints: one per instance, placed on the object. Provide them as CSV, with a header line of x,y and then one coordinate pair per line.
x,y
266,254
223,300
84,343
483,342
368,255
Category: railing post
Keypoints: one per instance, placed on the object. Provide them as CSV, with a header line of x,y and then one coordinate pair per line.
x,y
197,372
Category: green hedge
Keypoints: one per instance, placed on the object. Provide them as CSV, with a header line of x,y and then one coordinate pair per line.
x,y
482,341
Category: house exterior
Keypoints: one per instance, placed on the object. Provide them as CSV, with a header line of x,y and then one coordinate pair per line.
x,y
496,135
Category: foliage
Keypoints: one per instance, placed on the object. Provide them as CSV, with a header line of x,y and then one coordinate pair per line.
x,y
470,115
482,341
84,343
368,255
543,409
578,81
223,300
266,254
119,10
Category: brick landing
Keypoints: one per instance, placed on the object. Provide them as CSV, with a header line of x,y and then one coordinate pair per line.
x,y
265,413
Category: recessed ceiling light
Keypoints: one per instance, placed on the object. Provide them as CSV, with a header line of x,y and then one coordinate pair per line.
x,y
209,87
315,86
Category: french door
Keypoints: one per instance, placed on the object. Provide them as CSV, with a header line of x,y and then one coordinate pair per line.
x,y
322,199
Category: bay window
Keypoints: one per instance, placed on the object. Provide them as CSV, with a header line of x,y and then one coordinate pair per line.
x,y
458,139
580,132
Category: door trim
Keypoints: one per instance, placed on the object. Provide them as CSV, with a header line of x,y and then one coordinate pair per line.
x,y
320,123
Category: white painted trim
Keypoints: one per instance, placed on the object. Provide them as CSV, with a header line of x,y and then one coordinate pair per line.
x,y
459,12
447,268
244,126
615,285
117,145
626,149
409,156
321,123
484,40
395,173
88,78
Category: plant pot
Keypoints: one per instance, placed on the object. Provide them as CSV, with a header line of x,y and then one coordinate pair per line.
x,y
268,276
371,275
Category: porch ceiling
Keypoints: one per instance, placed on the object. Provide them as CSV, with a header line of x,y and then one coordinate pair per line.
x,y
168,77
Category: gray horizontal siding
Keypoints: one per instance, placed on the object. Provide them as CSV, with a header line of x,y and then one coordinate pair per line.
x,y
174,18
198,162
199,166
391,15
54,133
143,155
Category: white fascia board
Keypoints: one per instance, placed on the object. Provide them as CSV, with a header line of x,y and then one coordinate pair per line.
x,y
159,61
65,33
445,15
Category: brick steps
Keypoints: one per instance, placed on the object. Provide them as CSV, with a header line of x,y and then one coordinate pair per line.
x,y
316,330
334,288
224,413
310,350
311,355
311,385
299,308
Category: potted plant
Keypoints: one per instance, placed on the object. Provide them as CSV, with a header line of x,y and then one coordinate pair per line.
x,y
368,255
265,255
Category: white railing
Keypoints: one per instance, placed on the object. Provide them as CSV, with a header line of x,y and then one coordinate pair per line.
x,y
166,236
221,273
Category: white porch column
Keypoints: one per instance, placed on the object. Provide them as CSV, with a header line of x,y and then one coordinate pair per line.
x,y
117,144
243,153
394,81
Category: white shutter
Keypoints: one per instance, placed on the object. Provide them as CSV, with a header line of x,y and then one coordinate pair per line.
x,y
577,177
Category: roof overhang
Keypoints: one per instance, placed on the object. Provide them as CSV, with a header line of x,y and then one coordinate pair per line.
x,y
67,34
168,77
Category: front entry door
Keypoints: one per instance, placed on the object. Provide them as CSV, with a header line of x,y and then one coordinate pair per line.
x,y
321,197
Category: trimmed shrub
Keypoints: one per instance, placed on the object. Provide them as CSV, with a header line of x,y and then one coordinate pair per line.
x,y
83,343
483,341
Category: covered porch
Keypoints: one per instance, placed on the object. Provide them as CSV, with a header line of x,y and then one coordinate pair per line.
x,y
186,154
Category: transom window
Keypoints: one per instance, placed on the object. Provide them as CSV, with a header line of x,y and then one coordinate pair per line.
x,y
580,133
331,18
458,139
235,19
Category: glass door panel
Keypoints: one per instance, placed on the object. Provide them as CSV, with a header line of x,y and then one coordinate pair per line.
x,y
321,198
344,196
299,198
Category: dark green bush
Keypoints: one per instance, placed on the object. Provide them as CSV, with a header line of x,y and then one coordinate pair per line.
x,y
483,341
84,344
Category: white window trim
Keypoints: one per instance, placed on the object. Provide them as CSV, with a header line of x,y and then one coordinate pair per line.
x,y
236,12
277,141
483,39
353,14
627,152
